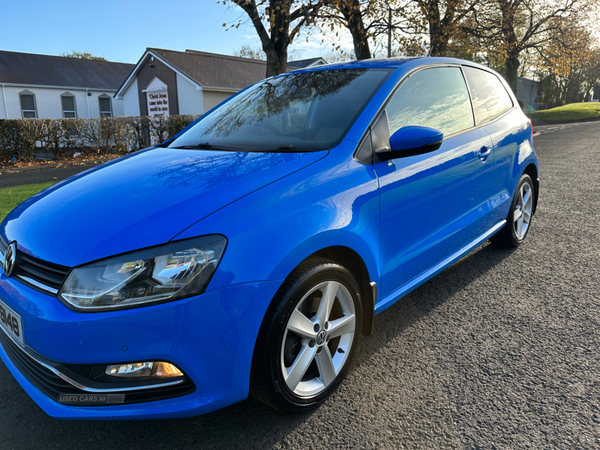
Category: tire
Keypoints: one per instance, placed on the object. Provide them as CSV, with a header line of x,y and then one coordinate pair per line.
x,y
294,331
518,221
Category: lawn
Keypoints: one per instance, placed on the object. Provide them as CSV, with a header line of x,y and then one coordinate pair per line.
x,y
569,113
12,196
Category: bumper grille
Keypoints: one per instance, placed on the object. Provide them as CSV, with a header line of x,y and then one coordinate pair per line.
x,y
54,386
41,275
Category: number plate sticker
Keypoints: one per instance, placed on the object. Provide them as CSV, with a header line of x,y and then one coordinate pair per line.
x,y
10,322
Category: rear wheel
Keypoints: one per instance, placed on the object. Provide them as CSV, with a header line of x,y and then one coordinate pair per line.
x,y
519,217
308,337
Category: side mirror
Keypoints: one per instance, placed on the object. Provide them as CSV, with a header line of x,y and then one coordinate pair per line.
x,y
411,141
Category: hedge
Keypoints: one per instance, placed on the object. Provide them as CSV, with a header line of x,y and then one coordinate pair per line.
x,y
20,138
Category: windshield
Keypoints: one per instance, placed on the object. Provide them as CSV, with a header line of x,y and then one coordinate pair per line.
x,y
297,112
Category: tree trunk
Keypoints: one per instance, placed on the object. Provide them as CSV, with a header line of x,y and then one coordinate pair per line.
x,y
276,40
438,35
511,44
276,60
438,41
512,69
353,15
389,32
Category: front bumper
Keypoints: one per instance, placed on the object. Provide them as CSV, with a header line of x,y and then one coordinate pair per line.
x,y
209,337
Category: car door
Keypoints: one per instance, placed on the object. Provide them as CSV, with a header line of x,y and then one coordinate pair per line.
x,y
432,204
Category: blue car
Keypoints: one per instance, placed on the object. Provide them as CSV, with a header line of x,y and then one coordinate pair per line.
x,y
250,253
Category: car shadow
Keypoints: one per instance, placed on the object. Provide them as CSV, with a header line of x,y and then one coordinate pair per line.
x,y
427,297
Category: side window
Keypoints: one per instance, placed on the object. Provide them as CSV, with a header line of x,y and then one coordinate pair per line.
x,y
105,106
436,98
28,110
68,106
490,99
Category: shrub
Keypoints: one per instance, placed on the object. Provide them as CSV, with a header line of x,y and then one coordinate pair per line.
x,y
19,138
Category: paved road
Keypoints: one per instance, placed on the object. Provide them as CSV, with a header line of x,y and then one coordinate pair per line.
x,y
499,351
41,174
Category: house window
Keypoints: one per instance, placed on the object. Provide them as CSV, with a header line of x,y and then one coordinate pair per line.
x,y
28,110
105,106
68,106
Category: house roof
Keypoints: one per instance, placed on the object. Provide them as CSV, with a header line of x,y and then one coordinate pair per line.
x,y
305,63
48,70
210,71
214,70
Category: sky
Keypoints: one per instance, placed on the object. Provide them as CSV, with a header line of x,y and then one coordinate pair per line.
x,y
121,30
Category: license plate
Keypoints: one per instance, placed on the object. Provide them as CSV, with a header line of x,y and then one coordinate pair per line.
x,y
11,323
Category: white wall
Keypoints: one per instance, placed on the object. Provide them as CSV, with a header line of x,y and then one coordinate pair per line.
x,y
131,100
2,110
213,98
189,99
49,105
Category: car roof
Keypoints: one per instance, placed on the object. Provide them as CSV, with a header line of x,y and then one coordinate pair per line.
x,y
392,63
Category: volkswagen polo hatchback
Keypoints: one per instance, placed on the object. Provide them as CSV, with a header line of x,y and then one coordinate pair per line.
x,y
251,252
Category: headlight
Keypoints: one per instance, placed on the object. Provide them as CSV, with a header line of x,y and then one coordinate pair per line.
x,y
169,272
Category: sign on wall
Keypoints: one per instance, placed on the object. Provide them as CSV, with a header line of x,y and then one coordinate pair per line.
x,y
157,97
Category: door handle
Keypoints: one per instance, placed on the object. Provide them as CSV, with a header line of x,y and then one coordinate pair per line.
x,y
484,153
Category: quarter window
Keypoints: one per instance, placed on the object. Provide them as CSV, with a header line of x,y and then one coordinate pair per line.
x,y
28,110
105,106
68,107
490,98
435,98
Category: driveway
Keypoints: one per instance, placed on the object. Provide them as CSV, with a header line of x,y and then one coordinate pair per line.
x,y
499,351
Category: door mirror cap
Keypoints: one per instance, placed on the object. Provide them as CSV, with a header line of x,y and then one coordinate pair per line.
x,y
411,141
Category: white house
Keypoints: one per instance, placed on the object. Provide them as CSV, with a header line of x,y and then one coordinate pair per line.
x,y
307,63
44,86
190,82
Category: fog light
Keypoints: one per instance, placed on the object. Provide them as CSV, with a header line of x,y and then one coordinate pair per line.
x,y
154,369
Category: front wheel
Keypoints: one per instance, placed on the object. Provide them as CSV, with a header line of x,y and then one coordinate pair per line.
x,y
308,337
519,217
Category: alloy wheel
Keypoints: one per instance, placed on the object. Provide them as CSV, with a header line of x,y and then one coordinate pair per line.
x,y
318,339
523,210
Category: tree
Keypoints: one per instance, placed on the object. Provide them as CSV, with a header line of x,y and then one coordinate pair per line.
x,y
83,55
369,20
351,15
245,51
511,27
569,67
278,23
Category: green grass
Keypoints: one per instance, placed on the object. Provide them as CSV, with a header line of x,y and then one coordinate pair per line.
x,y
12,196
569,113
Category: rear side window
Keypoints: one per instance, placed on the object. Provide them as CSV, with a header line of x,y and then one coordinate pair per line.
x,y
490,99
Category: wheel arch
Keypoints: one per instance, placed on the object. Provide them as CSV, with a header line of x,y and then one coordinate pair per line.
x,y
352,261
532,171
348,250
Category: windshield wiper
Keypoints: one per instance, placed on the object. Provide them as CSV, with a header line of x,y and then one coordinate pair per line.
x,y
207,146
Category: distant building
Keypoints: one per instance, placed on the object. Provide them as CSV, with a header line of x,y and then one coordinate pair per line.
x,y
191,82
528,92
596,94
44,86
307,63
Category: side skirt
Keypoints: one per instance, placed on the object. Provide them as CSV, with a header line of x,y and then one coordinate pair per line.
x,y
418,281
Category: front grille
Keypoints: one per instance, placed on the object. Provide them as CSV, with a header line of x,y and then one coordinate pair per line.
x,y
42,275
39,274
53,386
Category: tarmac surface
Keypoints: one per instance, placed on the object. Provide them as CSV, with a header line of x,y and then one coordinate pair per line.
x,y
40,174
499,351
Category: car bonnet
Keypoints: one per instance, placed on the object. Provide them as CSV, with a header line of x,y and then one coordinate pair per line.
x,y
139,201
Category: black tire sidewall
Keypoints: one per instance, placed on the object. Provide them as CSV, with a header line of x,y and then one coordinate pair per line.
x,y
326,272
